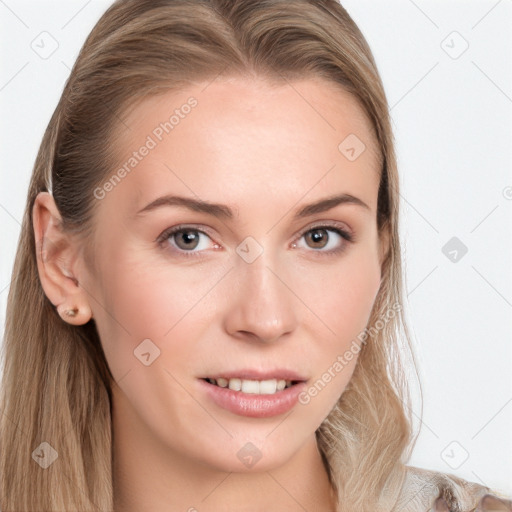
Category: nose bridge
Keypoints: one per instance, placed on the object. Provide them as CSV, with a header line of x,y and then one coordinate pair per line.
x,y
262,305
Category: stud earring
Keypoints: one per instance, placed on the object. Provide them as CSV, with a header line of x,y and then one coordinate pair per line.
x,y
71,312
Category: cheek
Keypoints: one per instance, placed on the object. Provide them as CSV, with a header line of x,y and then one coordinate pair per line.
x,y
342,299
342,295
142,301
356,293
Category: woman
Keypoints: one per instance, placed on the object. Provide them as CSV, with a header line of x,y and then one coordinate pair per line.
x,y
209,167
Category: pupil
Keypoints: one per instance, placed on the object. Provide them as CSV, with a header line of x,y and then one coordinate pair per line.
x,y
187,238
318,236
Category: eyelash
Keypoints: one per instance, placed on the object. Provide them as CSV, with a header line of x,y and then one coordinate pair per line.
x,y
347,236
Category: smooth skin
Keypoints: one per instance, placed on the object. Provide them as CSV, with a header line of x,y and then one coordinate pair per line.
x,y
264,151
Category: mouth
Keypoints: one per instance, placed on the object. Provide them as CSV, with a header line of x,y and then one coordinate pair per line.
x,y
253,387
253,393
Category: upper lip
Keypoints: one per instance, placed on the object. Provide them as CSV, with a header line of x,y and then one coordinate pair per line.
x,y
251,374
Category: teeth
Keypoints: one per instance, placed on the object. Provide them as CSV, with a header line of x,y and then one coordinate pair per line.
x,y
250,386
235,384
223,383
264,387
268,387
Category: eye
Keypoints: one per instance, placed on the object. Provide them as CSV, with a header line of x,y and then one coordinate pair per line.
x,y
186,239
326,238
190,241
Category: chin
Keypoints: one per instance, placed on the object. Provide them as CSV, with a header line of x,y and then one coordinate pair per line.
x,y
258,453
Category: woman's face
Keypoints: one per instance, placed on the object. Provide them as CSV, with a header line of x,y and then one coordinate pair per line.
x,y
260,287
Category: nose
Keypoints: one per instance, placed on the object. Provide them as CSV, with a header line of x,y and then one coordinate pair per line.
x,y
261,306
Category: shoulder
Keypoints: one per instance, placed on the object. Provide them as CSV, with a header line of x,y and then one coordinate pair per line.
x,y
424,490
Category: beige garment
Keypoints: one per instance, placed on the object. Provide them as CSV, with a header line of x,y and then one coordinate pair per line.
x,y
426,490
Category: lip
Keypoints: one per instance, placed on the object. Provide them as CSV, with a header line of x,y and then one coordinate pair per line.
x,y
253,405
251,374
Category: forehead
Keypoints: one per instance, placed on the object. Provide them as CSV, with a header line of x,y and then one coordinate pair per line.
x,y
230,136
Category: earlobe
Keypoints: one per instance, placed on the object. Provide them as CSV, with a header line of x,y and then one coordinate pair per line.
x,y
56,254
75,315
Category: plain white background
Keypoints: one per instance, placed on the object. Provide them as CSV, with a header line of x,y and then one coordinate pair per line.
x,y
446,67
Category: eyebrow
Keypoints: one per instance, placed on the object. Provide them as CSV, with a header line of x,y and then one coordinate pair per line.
x,y
224,211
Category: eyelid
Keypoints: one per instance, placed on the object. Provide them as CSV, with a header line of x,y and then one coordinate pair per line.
x,y
179,227
328,224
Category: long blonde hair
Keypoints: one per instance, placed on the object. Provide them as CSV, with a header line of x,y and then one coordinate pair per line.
x,y
56,384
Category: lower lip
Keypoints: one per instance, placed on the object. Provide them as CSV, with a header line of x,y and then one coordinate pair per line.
x,y
254,405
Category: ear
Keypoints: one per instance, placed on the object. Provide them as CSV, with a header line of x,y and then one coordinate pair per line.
x,y
57,254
